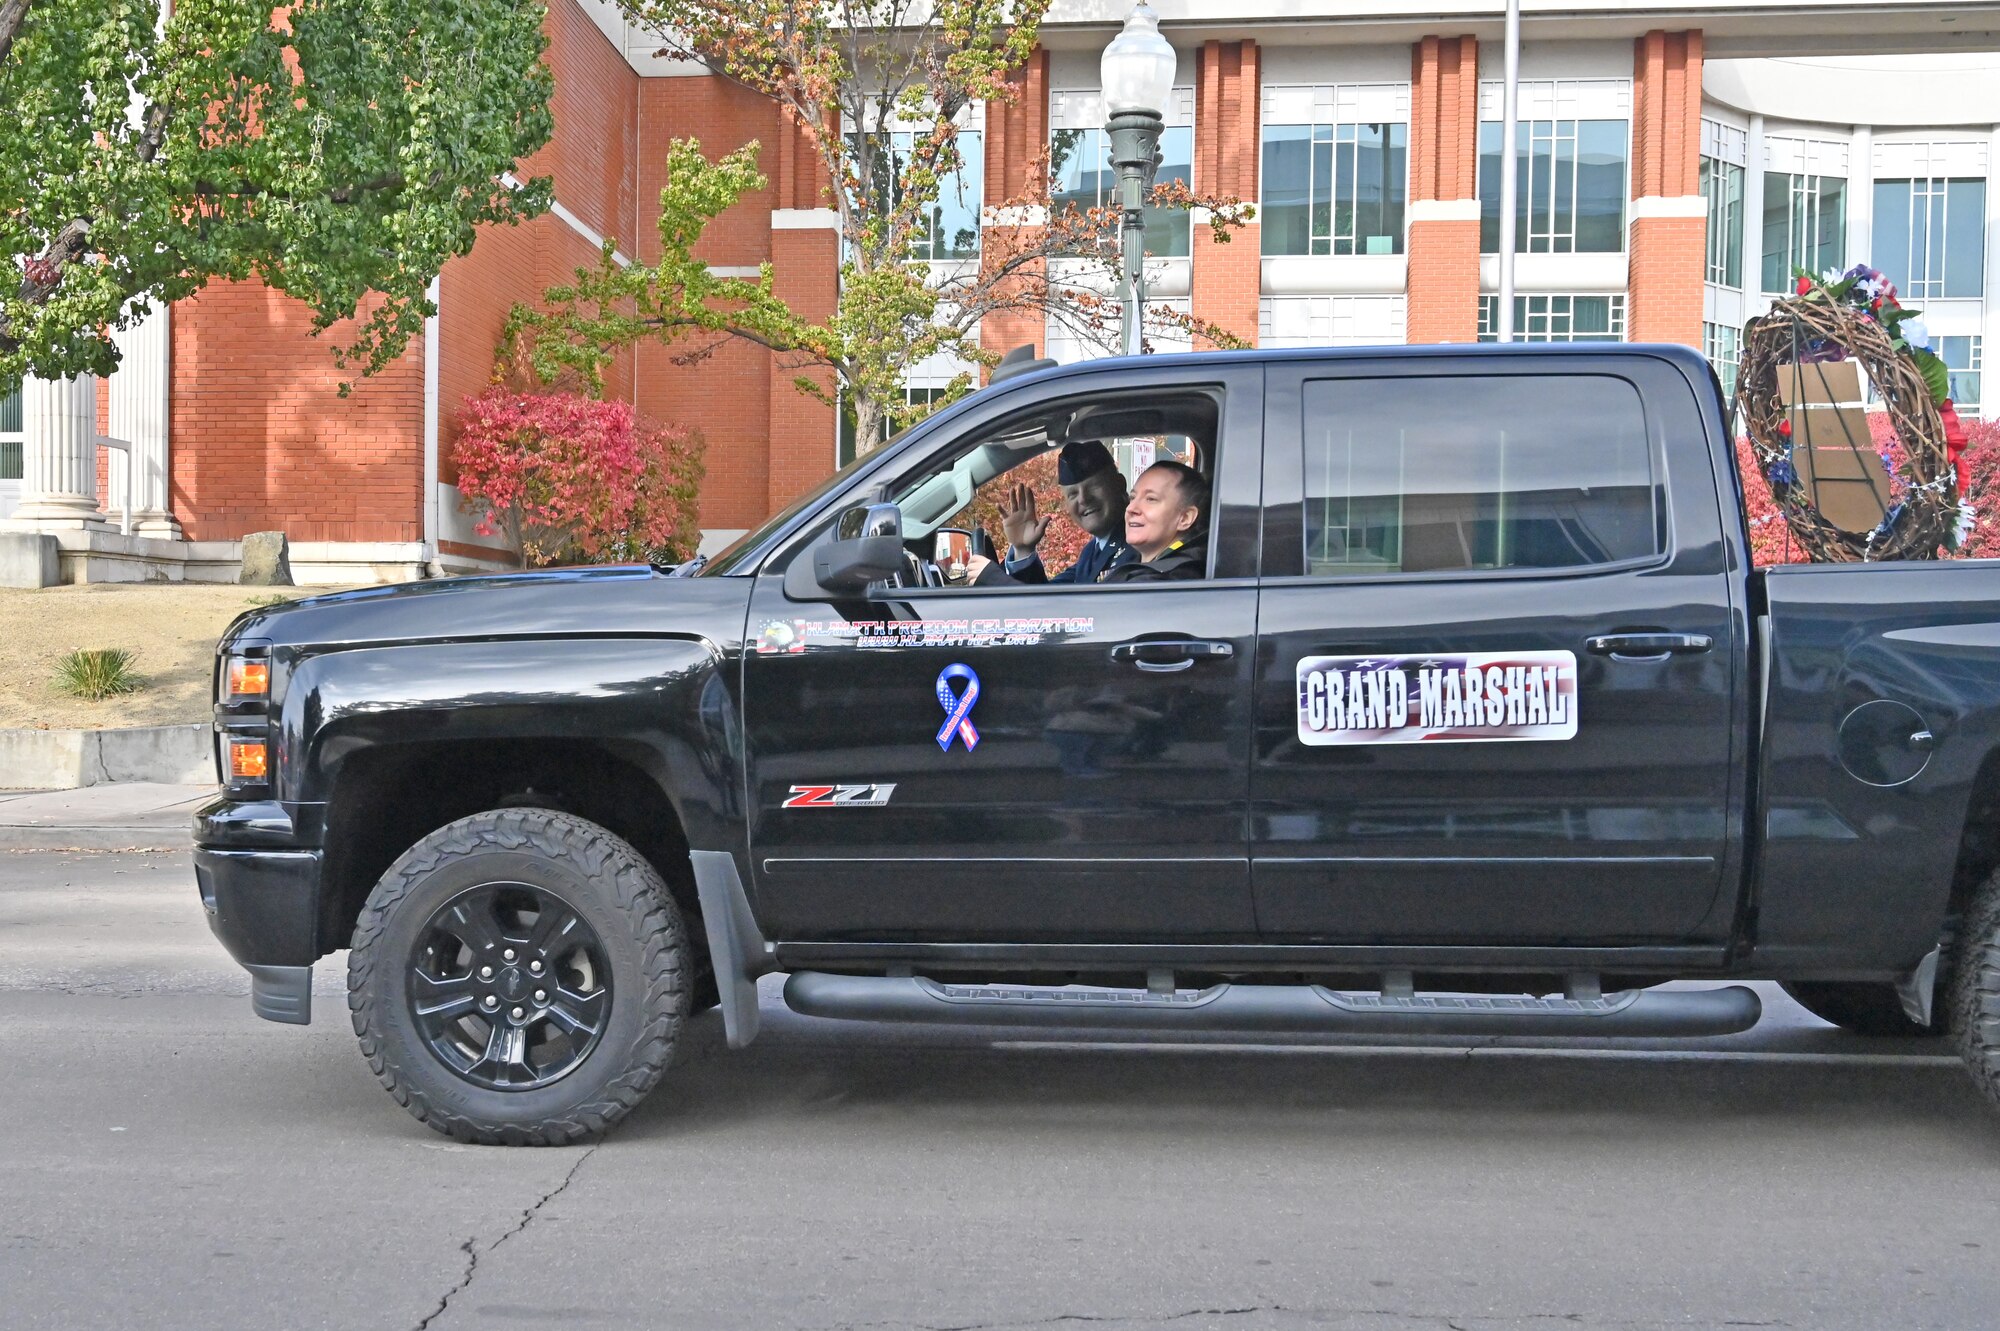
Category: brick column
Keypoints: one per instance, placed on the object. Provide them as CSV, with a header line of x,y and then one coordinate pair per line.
x,y
1017,136
1227,278
1669,218
805,275
1444,190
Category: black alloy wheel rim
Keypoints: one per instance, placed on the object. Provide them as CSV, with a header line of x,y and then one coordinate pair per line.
x,y
510,989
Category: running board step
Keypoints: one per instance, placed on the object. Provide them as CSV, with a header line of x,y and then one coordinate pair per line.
x,y
1273,1008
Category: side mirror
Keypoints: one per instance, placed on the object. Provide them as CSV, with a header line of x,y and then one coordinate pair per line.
x,y
953,547
867,547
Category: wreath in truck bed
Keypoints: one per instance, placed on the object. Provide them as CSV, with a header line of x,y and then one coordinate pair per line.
x,y
1798,397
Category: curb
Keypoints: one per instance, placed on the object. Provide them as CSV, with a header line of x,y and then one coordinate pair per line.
x,y
93,839
68,759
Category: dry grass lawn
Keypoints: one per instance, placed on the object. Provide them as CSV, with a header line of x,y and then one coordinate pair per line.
x,y
171,628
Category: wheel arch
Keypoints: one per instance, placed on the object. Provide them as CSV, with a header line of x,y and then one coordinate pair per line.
x,y
637,735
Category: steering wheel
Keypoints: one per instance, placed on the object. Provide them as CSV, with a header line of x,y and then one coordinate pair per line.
x,y
916,572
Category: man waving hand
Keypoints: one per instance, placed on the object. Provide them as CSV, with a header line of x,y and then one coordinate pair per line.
x,y
1093,494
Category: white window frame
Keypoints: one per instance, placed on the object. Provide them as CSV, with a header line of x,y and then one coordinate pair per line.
x,y
1975,366
1725,220
1071,338
1083,109
971,119
1334,108
1332,321
1723,352
10,487
1804,210
1525,324
1560,103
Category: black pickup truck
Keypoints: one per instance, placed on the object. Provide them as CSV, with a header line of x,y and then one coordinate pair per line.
x,y
1480,720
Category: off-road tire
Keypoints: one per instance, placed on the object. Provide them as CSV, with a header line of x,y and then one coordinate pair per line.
x,y
1863,1007
607,883
1973,1005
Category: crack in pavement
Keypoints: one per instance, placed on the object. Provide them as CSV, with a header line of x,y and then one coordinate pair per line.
x,y
473,1253
1089,1317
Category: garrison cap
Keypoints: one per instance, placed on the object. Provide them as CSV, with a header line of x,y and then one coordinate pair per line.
x,y
1082,460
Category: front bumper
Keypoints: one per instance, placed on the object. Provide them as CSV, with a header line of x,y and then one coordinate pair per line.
x,y
263,906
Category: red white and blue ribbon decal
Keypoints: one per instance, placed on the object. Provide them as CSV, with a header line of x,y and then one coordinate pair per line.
x,y
957,706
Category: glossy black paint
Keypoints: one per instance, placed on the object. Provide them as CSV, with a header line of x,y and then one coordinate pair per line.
x,y
1854,874
1183,825
1618,835
1105,800
261,903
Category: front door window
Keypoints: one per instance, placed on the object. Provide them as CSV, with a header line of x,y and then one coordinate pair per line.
x,y
1037,760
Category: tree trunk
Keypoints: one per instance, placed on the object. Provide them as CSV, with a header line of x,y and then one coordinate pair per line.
x,y
12,14
870,423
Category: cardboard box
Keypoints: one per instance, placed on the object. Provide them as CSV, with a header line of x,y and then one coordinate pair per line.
x,y
1826,382
1833,452
1847,485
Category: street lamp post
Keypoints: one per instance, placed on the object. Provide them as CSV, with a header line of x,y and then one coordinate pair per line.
x,y
1137,73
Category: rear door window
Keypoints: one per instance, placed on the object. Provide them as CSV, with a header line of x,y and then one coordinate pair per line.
x,y
1449,473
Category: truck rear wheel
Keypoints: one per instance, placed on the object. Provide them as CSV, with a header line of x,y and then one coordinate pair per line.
x,y
1860,1006
1973,998
517,978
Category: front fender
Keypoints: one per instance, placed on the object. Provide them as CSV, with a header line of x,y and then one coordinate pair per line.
x,y
663,703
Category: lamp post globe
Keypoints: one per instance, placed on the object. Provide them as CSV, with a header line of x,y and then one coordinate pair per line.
x,y
1137,74
1137,70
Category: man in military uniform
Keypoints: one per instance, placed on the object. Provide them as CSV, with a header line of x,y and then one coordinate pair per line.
x,y
1093,494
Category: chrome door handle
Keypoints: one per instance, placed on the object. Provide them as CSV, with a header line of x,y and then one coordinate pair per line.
x,y
1166,655
1647,646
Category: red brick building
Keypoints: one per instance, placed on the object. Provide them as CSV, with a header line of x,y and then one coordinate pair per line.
x,y
1658,141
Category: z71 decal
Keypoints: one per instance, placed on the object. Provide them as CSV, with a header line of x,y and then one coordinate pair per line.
x,y
1437,699
839,797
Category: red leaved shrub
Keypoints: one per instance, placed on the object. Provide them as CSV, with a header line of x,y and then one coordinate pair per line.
x,y
1770,538
579,480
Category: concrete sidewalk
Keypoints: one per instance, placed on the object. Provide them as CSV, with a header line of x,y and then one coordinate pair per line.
x,y
134,815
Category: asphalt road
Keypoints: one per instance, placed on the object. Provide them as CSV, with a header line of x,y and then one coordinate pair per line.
x,y
170,1161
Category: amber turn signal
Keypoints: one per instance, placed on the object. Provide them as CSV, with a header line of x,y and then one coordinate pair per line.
x,y
249,679
249,762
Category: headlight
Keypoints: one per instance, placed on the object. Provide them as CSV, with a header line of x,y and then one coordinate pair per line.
x,y
247,679
243,715
249,761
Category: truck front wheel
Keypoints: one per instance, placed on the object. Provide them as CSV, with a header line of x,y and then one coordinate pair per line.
x,y
517,978
1859,1006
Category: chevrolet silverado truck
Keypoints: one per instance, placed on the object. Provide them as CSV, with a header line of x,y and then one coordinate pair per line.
x,y
1481,721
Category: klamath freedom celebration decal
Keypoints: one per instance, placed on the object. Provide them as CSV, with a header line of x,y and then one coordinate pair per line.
x,y
1449,699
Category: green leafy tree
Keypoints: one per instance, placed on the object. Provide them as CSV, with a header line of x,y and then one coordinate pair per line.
x,y
341,150
875,89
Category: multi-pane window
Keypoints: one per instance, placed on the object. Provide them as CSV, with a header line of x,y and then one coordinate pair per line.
x,y
1332,321
1570,149
1961,356
11,439
1335,169
1805,226
1078,334
1722,345
1722,187
848,430
1930,236
1567,318
1518,471
949,228
1081,174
